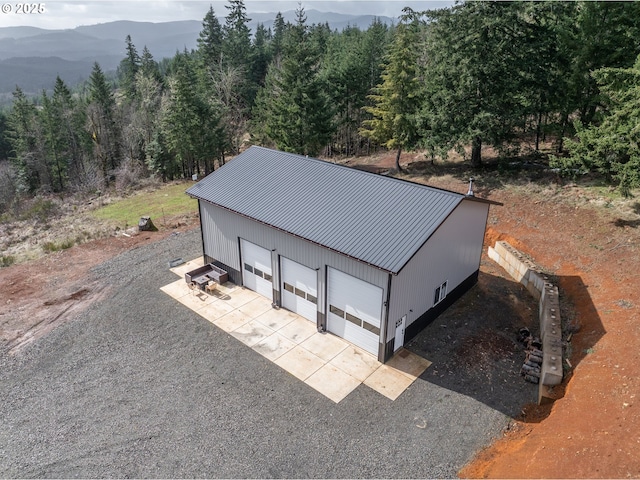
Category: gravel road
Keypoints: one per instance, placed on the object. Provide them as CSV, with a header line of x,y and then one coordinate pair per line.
x,y
140,386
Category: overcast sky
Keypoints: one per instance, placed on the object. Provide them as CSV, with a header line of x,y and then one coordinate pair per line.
x,y
63,14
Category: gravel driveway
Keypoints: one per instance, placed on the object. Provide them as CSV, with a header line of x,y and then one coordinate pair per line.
x,y
140,386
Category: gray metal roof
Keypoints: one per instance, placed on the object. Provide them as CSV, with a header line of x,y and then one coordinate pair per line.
x,y
378,220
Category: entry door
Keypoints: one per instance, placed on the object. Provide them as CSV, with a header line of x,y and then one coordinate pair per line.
x,y
299,289
256,265
354,310
400,326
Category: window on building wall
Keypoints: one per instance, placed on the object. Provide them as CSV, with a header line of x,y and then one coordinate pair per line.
x,y
440,293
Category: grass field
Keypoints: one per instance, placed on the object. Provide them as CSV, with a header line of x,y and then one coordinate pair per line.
x,y
160,205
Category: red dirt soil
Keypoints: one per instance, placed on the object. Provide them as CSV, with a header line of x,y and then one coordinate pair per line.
x,y
39,295
594,429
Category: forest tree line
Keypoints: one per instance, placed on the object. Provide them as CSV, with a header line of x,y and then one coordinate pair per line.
x,y
477,73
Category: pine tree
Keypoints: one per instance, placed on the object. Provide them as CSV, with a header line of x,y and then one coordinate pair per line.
x,y
210,40
475,75
237,50
128,68
279,28
101,113
236,36
74,139
611,148
292,109
149,67
397,98
54,141
190,125
260,56
25,139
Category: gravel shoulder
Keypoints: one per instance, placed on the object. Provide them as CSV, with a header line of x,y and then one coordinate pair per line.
x,y
137,385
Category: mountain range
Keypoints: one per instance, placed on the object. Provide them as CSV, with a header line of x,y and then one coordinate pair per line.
x,y
31,57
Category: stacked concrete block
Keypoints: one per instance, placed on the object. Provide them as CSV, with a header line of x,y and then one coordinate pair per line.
x,y
549,311
551,333
523,270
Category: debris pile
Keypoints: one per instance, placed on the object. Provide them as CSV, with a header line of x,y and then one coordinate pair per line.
x,y
533,356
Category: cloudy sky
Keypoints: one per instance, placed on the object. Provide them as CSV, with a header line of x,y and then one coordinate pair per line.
x,y
69,14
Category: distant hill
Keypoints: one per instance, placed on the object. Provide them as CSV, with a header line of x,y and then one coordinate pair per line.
x,y
32,57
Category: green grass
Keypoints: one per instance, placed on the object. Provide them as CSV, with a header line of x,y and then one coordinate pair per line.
x,y
7,260
50,247
167,201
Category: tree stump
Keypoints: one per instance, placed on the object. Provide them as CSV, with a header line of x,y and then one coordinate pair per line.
x,y
146,225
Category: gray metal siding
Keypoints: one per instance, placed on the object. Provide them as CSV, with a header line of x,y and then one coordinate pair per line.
x,y
222,228
378,220
451,254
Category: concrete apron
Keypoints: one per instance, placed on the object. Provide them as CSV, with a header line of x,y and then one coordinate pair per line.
x,y
325,362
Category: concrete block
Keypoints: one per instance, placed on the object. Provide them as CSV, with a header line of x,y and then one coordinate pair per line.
x,y
551,370
552,346
537,281
501,248
523,270
535,293
493,255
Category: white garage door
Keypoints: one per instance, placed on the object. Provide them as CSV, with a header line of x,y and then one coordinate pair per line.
x,y
355,309
299,289
256,265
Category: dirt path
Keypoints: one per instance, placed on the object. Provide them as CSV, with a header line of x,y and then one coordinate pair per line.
x,y
37,296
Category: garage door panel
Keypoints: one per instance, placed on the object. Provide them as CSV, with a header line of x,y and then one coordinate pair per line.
x,y
257,268
300,291
355,309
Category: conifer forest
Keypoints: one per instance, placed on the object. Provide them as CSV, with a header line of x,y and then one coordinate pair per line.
x,y
471,75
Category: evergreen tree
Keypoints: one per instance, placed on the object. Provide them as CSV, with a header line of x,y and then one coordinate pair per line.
x,y
292,110
345,70
397,98
128,68
260,56
25,138
101,115
236,35
236,49
190,126
54,141
279,28
210,40
474,76
5,146
74,141
149,67
611,148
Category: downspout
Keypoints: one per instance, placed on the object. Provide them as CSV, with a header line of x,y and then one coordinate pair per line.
x,y
201,229
382,349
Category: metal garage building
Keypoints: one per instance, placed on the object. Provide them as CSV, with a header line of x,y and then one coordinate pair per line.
x,y
370,258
